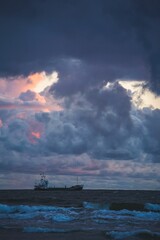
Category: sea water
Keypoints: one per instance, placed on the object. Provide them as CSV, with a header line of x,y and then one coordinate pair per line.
x,y
141,222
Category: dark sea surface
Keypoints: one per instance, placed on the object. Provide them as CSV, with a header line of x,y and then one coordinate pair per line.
x,y
87,214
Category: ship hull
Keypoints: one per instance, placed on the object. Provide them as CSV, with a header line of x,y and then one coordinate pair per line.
x,y
73,188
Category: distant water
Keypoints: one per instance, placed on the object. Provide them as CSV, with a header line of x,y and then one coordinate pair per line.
x,y
117,219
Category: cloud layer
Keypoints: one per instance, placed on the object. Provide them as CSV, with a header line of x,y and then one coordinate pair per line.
x,y
101,123
64,106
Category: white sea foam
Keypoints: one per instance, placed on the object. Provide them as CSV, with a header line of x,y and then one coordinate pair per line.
x,y
43,230
92,212
24,208
104,215
125,214
59,217
7,209
152,207
57,214
119,235
140,214
147,215
21,216
102,211
90,205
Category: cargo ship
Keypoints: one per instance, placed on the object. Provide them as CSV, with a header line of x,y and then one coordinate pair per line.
x,y
42,185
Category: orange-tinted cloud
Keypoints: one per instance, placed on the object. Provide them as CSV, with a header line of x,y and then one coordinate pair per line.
x,y
11,89
36,134
36,131
35,78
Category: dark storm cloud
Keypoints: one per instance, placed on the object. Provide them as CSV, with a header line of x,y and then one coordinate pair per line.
x,y
81,29
78,76
97,123
147,19
111,38
28,96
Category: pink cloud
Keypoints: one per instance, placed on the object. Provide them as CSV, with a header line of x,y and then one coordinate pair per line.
x,y
1,123
24,88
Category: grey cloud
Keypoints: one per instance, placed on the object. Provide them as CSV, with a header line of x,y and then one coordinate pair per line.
x,y
16,136
99,128
28,96
100,122
152,135
96,122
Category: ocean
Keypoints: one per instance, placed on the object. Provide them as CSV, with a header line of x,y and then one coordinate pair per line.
x,y
79,215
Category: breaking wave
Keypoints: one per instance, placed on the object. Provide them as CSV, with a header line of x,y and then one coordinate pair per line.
x,y
152,207
57,214
60,214
121,206
88,217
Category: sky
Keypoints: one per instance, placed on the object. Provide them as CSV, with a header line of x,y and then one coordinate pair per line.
x,y
80,93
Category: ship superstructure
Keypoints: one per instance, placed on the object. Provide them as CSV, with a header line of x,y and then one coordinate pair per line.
x,y
42,184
